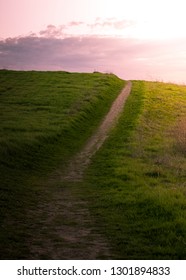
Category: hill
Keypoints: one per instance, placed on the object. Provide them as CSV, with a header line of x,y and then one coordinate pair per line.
x,y
45,118
133,192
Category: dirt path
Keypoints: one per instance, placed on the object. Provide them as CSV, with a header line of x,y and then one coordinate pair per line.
x,y
67,231
77,165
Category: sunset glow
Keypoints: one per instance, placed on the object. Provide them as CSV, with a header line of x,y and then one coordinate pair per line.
x,y
147,39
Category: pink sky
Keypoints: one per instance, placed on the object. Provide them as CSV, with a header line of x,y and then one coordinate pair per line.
x,y
134,39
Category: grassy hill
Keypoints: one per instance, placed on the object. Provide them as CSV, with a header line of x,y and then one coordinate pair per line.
x,y
45,118
135,186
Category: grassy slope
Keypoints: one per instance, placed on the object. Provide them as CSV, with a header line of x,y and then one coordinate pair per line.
x,y
41,115
136,183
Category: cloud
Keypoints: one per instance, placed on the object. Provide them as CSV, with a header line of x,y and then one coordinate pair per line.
x,y
99,26
112,23
53,32
85,53
60,31
128,58
76,23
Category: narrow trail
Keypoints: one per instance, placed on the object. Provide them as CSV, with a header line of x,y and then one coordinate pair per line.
x,y
78,164
67,229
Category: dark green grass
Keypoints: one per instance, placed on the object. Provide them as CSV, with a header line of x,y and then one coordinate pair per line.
x,y
45,117
41,108
136,182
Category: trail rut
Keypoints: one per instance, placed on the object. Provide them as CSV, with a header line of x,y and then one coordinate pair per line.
x,y
79,163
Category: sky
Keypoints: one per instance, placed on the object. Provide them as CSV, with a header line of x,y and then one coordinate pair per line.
x,y
134,39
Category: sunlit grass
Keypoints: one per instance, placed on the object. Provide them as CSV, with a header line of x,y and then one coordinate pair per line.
x,y
137,180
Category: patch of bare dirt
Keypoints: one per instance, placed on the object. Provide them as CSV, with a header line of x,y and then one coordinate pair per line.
x,y
66,230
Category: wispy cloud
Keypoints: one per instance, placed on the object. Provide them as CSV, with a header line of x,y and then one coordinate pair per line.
x,y
60,31
101,27
76,23
53,32
112,23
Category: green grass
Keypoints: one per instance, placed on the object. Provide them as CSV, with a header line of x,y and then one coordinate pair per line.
x,y
41,108
45,118
135,186
136,183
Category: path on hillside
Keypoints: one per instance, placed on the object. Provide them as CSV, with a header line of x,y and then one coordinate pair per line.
x,y
79,163
67,229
